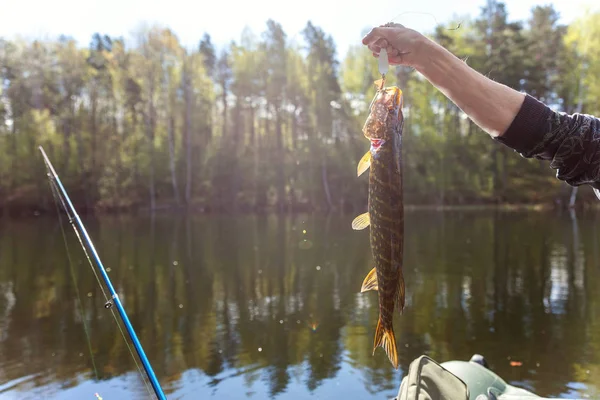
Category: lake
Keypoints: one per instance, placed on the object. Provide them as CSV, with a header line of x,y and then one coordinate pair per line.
x,y
270,307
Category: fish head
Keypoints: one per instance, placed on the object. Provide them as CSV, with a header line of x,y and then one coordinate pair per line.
x,y
384,117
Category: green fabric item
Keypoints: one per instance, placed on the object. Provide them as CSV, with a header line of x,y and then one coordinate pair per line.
x,y
457,380
428,380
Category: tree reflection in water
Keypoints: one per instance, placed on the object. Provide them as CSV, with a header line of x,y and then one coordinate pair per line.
x,y
270,306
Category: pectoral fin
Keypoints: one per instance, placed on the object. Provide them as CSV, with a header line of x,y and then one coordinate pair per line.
x,y
370,282
596,192
364,163
361,222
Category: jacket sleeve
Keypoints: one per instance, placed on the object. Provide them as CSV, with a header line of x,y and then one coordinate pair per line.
x,y
570,142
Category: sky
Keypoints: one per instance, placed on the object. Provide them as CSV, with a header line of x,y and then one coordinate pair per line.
x,y
225,20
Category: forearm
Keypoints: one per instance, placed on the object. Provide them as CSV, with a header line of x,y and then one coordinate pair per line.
x,y
570,142
491,105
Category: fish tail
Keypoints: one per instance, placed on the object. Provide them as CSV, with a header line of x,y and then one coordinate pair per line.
x,y
384,337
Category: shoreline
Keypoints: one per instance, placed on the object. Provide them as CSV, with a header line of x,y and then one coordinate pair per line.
x,y
27,212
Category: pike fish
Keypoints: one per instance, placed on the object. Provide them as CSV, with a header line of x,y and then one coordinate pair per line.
x,y
385,214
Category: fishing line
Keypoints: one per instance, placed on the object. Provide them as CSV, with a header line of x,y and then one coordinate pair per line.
x,y
106,297
108,304
79,302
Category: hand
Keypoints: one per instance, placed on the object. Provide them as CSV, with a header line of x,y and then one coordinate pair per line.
x,y
403,45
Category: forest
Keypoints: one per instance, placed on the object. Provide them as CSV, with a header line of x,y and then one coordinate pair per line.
x,y
268,123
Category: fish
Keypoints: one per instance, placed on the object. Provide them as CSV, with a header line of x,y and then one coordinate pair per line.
x,y
385,216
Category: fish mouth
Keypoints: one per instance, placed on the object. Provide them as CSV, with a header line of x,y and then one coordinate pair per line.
x,y
392,97
385,111
376,145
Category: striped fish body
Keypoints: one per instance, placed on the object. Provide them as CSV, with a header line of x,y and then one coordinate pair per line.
x,y
385,213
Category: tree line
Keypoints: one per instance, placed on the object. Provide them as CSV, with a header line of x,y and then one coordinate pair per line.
x,y
270,123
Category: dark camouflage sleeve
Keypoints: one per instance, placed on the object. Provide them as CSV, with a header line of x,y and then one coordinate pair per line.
x,y
570,142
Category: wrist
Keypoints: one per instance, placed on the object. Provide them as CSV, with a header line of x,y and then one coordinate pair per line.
x,y
426,53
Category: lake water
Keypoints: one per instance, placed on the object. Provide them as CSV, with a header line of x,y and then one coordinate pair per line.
x,y
270,307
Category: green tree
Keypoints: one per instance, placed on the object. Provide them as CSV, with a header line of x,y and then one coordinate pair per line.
x,y
271,121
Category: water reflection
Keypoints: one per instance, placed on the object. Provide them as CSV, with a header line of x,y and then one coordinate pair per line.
x,y
269,307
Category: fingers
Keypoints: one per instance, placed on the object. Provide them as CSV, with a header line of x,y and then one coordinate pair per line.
x,y
377,39
381,31
383,44
394,25
392,51
382,37
395,57
374,35
379,44
396,60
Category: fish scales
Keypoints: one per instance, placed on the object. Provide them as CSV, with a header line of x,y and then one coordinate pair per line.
x,y
385,212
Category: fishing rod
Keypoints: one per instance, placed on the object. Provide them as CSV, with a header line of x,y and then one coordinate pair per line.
x,y
74,217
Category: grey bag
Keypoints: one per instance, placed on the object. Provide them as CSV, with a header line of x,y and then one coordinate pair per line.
x,y
428,380
457,380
